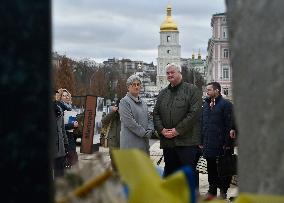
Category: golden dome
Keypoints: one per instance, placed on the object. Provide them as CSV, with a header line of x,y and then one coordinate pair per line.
x,y
169,24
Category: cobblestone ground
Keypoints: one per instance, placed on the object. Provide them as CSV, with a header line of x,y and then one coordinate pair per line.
x,y
156,154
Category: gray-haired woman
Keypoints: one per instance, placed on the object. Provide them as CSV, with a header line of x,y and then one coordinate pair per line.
x,y
136,126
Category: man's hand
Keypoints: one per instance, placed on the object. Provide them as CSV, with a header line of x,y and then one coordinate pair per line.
x,y
170,133
233,134
174,132
165,132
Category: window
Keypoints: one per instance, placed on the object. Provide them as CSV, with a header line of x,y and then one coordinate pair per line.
x,y
168,51
226,91
226,53
226,72
225,32
168,38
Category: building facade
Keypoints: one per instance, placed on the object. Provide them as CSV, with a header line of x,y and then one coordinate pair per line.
x,y
218,64
169,48
198,64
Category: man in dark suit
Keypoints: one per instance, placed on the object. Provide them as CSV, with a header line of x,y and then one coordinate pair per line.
x,y
216,139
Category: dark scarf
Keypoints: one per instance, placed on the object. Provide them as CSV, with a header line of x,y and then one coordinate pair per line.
x,y
65,106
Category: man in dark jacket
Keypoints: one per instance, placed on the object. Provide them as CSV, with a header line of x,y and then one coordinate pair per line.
x,y
216,126
176,115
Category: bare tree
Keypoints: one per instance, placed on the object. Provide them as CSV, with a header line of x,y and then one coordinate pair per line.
x,y
121,88
63,76
99,84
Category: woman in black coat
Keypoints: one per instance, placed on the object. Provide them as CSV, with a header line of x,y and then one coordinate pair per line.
x,y
60,140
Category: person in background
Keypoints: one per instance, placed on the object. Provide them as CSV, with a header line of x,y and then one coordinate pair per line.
x,y
136,127
60,140
70,124
216,140
112,121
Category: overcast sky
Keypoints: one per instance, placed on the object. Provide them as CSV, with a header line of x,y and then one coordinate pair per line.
x,y
102,29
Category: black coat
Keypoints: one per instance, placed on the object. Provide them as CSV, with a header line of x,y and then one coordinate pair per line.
x,y
216,126
60,139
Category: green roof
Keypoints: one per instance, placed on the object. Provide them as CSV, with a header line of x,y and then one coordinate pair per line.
x,y
220,14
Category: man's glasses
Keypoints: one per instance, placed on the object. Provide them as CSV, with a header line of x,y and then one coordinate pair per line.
x,y
135,84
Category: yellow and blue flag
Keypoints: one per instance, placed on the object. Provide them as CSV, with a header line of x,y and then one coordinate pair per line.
x,y
146,185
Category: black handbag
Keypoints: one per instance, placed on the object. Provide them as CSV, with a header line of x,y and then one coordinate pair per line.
x,y
227,165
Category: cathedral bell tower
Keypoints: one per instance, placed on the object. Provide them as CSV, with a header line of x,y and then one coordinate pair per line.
x,y
169,48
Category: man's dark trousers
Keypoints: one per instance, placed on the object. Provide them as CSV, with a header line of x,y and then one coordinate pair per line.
x,y
179,156
214,180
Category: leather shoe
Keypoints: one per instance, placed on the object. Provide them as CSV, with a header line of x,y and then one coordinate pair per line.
x,y
209,197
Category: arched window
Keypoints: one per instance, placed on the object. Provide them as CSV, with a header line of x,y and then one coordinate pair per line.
x,y
168,38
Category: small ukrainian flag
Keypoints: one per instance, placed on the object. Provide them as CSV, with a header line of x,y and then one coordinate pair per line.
x,y
146,185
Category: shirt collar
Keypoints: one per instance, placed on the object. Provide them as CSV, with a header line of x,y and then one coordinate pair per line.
x,y
174,88
136,99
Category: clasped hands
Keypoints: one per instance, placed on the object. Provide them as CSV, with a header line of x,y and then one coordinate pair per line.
x,y
170,133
